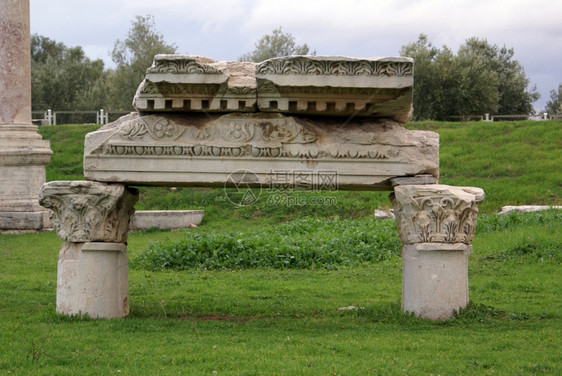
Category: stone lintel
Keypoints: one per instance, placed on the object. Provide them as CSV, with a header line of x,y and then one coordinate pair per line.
x,y
337,86
195,150
193,83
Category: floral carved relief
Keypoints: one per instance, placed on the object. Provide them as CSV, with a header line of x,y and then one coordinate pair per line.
x,y
436,213
83,211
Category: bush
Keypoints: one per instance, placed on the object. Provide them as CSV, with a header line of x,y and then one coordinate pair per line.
x,y
304,243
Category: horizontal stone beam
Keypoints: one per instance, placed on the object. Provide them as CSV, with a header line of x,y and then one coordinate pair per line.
x,y
311,85
313,153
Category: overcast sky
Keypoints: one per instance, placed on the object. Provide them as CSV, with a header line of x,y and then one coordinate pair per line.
x,y
224,30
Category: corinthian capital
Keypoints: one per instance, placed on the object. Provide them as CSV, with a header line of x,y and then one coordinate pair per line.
x,y
436,213
86,211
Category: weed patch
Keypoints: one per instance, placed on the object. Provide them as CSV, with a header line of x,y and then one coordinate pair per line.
x,y
304,244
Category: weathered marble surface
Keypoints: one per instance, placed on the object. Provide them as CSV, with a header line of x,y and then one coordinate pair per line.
x,y
436,224
165,219
435,279
178,149
93,279
85,211
526,209
436,213
15,75
311,85
194,83
23,154
337,86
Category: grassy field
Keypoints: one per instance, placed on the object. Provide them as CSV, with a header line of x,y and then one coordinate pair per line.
x,y
241,319
265,321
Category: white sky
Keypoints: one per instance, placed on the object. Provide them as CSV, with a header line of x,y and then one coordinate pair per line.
x,y
224,30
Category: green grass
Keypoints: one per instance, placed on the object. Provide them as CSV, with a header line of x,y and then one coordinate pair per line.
x,y
302,244
67,143
516,163
285,321
268,321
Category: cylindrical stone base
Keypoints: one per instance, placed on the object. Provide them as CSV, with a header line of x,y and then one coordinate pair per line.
x,y
435,279
93,279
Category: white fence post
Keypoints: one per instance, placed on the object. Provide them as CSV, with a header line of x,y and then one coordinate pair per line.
x,y
49,116
101,117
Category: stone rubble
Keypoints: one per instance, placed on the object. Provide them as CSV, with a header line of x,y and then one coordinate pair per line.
x,y
526,209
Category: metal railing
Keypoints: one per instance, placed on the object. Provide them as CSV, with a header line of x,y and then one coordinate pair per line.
x,y
103,117
491,118
51,117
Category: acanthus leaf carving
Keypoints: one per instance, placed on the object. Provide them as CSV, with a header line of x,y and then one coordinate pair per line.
x,y
436,213
315,66
83,211
185,65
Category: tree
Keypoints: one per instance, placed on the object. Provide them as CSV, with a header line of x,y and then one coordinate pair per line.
x,y
132,57
43,48
61,76
554,105
428,80
512,84
480,79
276,44
476,86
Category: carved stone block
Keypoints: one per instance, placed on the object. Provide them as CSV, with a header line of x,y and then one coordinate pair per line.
x,y
165,219
174,149
435,279
83,211
93,279
436,213
311,85
194,83
337,86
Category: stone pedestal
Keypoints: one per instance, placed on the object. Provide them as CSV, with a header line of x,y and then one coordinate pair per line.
x,y
92,278
434,278
94,219
23,154
436,224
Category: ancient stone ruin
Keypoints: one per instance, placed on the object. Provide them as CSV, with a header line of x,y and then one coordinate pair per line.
x,y
23,154
334,120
